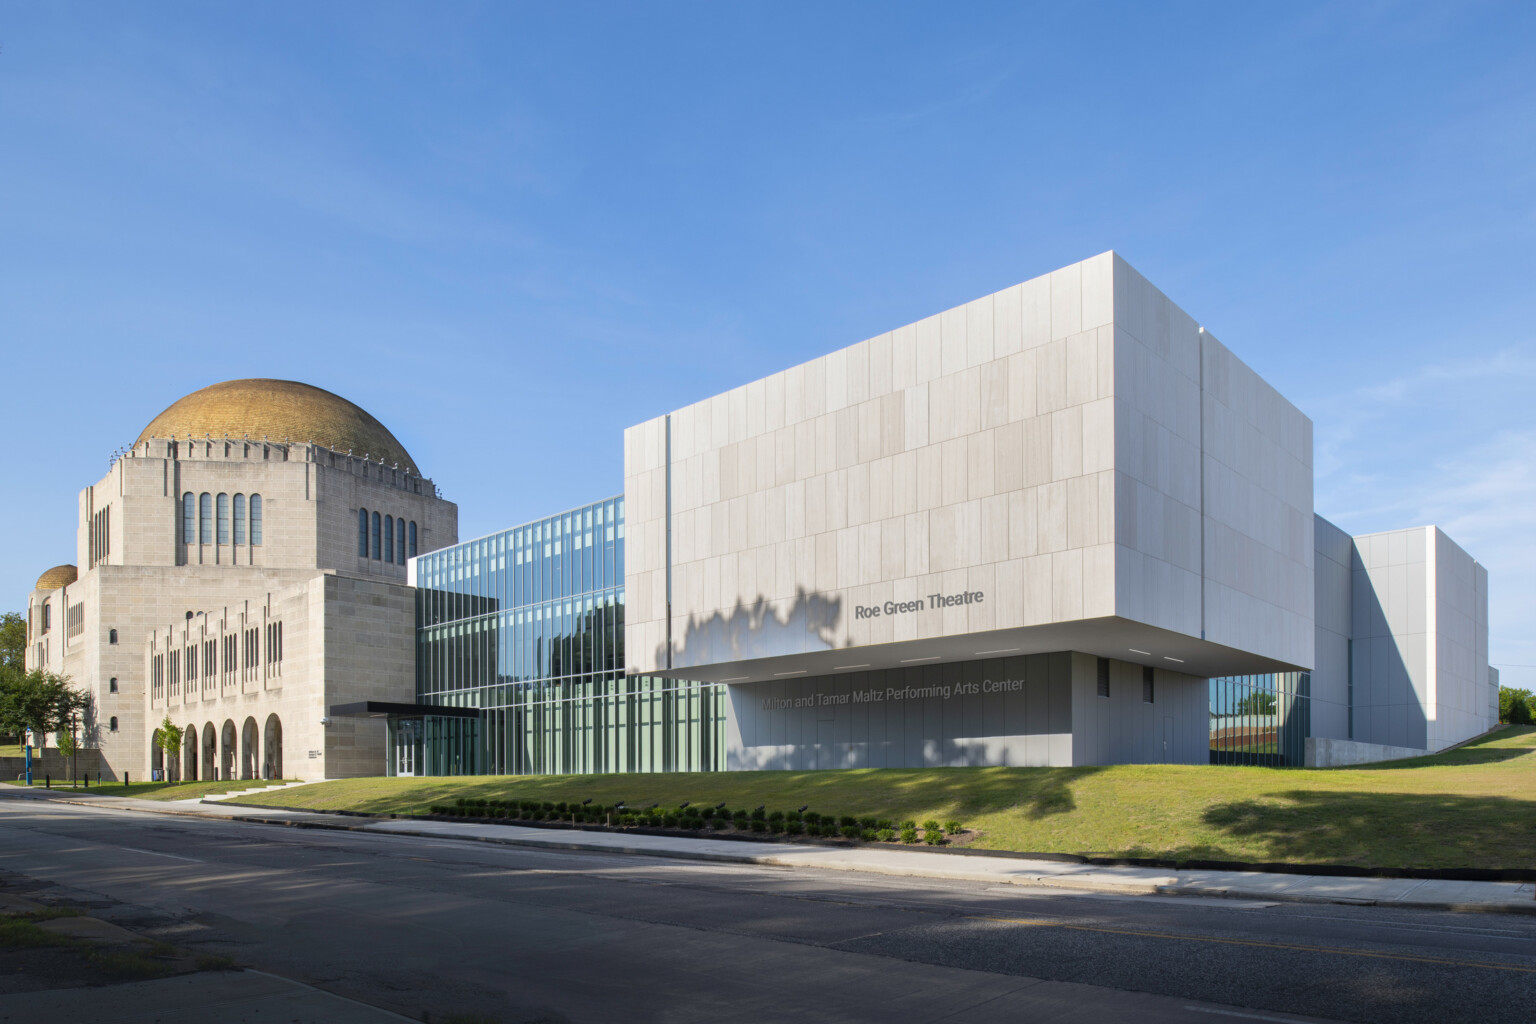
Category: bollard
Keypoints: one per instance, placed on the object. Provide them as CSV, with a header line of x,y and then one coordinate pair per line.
x,y
125,780
87,780
47,781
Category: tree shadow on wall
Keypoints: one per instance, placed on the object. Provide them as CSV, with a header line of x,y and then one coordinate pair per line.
x,y
1436,830
756,630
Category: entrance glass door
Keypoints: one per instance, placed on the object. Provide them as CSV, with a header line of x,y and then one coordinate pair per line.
x,y
407,746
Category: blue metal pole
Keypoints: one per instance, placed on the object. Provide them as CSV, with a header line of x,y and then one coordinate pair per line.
x,y
29,764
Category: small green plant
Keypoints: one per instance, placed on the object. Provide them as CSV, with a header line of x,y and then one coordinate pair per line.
x,y
869,835
953,828
759,825
758,815
776,816
851,831
933,838
869,823
909,835
886,835
909,824
794,828
932,826
847,820
811,818
776,827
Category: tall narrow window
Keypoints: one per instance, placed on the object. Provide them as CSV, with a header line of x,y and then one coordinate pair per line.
x,y
400,541
223,503
188,518
377,537
389,539
1103,677
413,538
1146,684
239,519
205,518
256,519
111,636
362,533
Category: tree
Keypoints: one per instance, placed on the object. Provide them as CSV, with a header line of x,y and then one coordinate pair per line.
x,y
38,700
68,747
169,740
1515,706
1259,702
13,642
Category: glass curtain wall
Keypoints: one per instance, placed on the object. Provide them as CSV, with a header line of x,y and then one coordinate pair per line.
x,y
1261,720
528,626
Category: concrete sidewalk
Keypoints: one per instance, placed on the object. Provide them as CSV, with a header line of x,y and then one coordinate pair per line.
x,y
1424,894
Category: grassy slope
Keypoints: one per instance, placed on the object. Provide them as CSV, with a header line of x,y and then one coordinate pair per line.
x,y
158,790
1472,807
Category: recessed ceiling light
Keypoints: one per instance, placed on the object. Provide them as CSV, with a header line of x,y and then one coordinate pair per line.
x,y
1179,660
908,661
1135,651
1005,650
837,668
735,679
796,672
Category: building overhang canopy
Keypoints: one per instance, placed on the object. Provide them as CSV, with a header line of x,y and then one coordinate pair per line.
x,y
388,709
1110,637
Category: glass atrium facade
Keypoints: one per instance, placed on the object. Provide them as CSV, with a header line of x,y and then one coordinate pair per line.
x,y
1262,720
527,625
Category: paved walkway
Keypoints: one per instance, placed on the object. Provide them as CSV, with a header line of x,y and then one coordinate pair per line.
x,y
1506,897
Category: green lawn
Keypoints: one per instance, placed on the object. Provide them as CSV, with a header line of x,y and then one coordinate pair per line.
x,y
1472,807
158,790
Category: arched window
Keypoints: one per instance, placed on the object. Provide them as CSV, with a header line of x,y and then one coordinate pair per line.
x,y
413,538
362,533
400,540
188,518
256,519
389,539
47,616
239,519
112,685
205,518
111,636
223,519
377,537
114,726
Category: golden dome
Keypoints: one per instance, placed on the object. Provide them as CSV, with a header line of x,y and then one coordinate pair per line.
x,y
58,576
279,410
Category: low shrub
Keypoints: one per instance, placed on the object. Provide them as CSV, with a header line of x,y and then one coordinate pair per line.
x,y
886,835
714,823
811,818
758,815
759,825
869,823
933,838
792,816
776,816
794,828
953,828
776,826
909,835
869,835
932,826
851,831
847,820
561,807
909,824
546,807
740,816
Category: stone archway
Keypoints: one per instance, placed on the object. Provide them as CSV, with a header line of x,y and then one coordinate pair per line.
x,y
210,756
227,762
272,750
189,742
250,751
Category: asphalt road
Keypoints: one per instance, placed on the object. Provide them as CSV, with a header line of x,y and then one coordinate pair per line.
x,y
433,928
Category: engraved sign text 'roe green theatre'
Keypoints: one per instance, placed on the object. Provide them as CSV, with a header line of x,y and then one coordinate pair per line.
x,y
931,602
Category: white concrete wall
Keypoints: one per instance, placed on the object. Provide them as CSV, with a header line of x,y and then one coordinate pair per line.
x,y
1334,630
1391,592
1041,445
1465,698
1123,728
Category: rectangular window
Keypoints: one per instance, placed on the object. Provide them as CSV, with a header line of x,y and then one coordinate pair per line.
x,y
1103,677
1146,684
239,519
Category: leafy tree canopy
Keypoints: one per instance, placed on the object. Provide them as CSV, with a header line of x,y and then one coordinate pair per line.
x,y
13,642
37,700
1516,707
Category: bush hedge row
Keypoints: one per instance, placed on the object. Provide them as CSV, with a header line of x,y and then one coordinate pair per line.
x,y
695,817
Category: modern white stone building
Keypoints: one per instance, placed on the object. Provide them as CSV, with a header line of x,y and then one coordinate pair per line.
x,y
1029,530
1060,525
243,570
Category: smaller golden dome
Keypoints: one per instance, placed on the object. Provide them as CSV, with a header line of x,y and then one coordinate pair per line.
x,y
58,576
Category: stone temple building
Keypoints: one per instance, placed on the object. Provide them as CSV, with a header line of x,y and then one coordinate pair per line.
x,y
242,567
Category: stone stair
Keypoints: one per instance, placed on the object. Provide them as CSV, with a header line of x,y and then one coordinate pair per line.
x,y
214,798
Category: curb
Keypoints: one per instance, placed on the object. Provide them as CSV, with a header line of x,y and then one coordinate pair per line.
x,y
1148,887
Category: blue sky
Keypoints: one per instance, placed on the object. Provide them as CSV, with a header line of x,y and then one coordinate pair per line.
x,y
509,231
